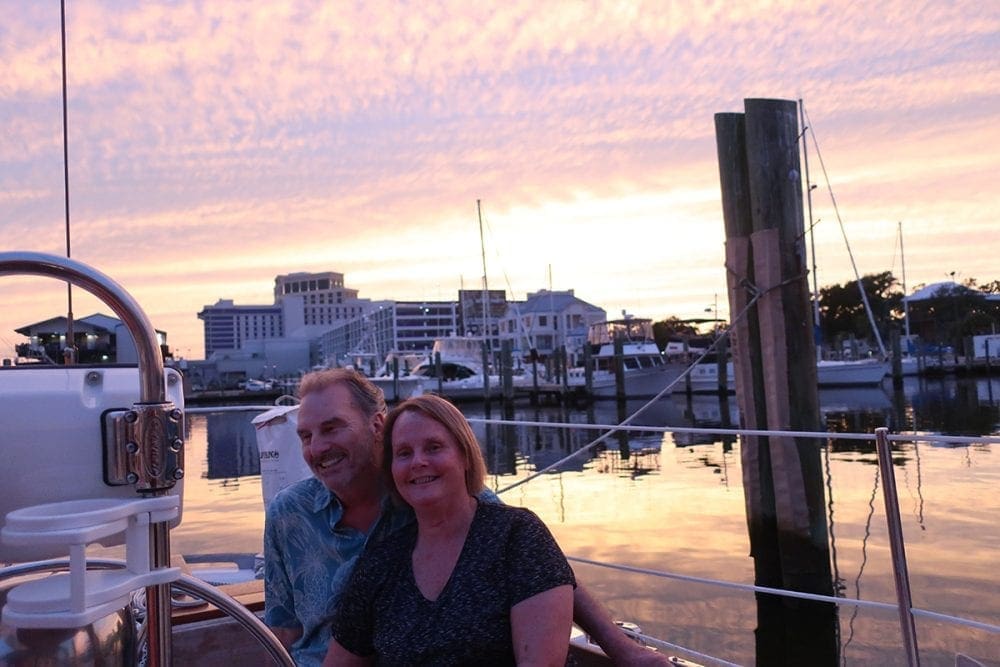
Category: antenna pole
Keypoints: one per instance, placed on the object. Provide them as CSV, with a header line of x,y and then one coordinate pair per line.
x,y
486,319
486,291
69,350
906,304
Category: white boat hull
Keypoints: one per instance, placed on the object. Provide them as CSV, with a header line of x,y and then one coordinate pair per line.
x,y
867,373
465,389
850,373
399,389
641,383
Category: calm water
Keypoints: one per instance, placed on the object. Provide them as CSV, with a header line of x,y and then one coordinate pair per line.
x,y
676,505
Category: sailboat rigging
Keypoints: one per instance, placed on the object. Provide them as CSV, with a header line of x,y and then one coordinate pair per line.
x,y
809,187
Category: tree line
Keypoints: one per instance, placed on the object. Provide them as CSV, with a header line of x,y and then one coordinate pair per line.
x,y
952,313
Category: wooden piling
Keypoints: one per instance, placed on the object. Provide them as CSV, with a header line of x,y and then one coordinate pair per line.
x,y
619,365
687,376
507,370
486,369
534,377
439,373
721,365
395,378
556,364
774,359
897,358
564,365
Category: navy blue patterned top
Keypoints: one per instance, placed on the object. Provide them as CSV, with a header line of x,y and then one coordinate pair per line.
x,y
508,556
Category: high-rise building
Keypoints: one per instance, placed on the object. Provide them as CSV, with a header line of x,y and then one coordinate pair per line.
x,y
228,326
305,306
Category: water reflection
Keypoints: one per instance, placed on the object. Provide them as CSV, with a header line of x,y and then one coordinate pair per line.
x,y
232,448
509,448
953,406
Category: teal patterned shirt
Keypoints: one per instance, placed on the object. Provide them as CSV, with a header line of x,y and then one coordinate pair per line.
x,y
308,560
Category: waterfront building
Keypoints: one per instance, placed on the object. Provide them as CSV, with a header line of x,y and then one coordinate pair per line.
x,y
230,327
312,303
388,326
548,319
337,328
98,339
305,306
420,323
475,320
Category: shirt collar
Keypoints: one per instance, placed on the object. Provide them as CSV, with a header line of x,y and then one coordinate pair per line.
x,y
324,498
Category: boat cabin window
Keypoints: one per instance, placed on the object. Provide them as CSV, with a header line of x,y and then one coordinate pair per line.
x,y
631,363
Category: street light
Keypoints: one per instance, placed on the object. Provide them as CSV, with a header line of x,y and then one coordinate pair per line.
x,y
714,309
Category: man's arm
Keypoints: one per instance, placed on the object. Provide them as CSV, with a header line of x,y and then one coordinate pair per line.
x,y
594,619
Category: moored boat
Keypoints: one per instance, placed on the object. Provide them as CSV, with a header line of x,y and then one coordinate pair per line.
x,y
454,369
645,371
864,373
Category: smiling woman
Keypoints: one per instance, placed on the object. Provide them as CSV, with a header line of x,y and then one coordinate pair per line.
x,y
482,583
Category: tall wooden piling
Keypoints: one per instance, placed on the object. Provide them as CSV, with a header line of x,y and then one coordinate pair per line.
x,y
507,370
395,378
564,366
775,373
619,366
722,365
534,376
486,369
897,358
439,372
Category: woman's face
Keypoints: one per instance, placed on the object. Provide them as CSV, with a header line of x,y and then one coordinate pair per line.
x,y
427,465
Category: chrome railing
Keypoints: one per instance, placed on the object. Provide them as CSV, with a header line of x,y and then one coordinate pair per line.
x,y
156,477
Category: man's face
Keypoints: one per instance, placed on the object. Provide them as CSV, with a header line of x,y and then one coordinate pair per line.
x,y
339,443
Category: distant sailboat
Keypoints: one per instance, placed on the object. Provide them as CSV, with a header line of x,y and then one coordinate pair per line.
x,y
837,373
909,364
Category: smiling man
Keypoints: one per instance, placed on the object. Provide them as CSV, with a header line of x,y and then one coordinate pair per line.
x,y
316,529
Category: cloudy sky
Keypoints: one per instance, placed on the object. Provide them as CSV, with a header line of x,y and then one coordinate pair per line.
x,y
214,145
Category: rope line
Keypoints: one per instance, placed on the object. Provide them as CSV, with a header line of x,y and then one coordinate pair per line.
x,y
897,437
815,597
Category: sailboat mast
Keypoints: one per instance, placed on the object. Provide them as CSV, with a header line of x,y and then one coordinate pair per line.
x,y
854,266
906,305
486,291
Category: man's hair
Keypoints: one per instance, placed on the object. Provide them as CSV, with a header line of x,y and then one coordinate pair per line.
x,y
446,414
368,398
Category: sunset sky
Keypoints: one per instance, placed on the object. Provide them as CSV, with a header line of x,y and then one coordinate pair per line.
x,y
214,145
